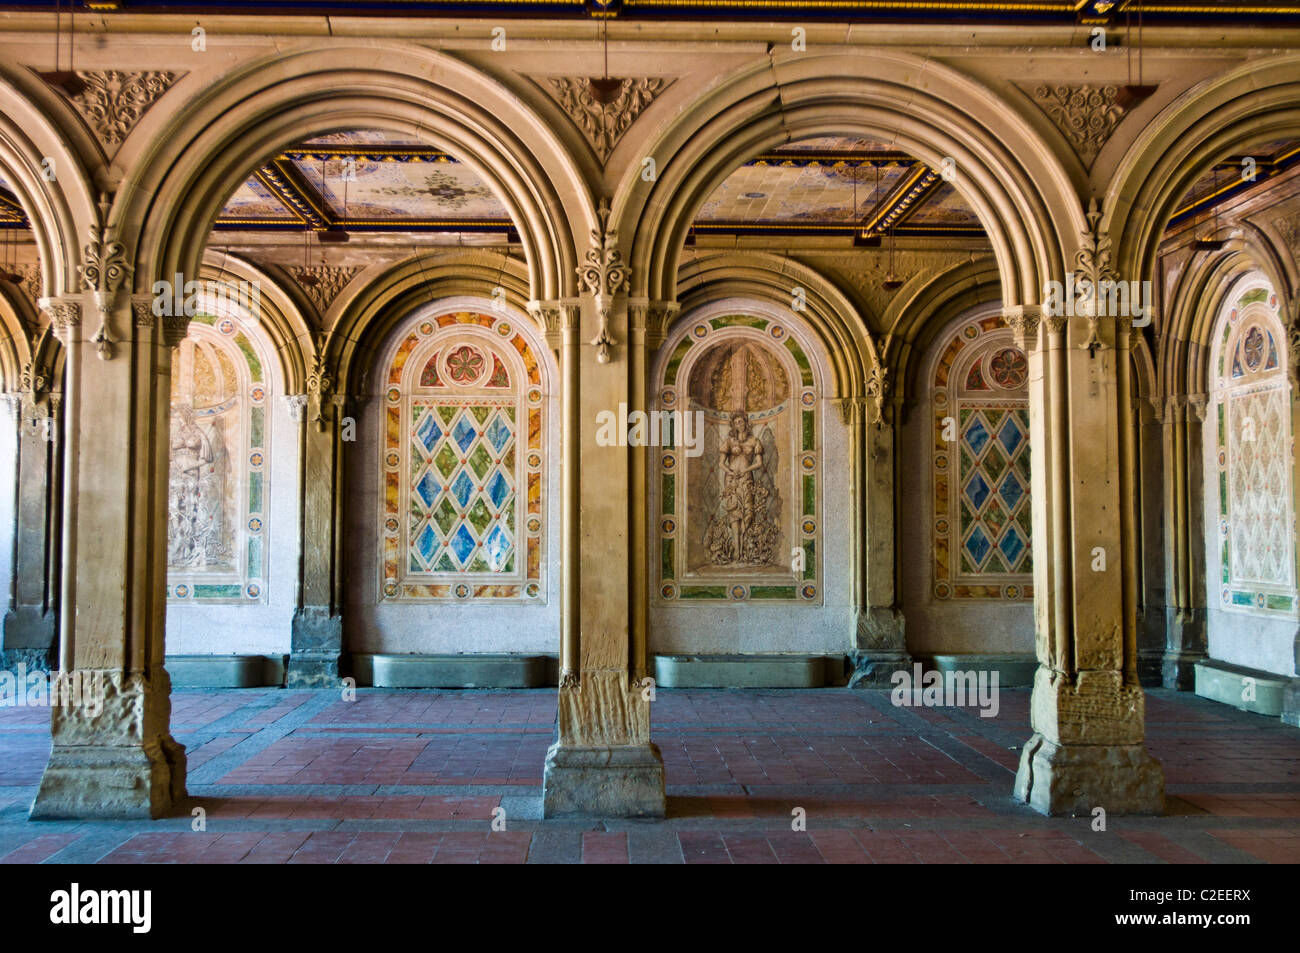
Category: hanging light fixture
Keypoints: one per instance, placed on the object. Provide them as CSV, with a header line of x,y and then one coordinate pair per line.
x,y
1133,94
66,80
307,279
605,90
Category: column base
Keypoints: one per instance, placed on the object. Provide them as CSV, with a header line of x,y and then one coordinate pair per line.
x,y
91,782
875,668
1291,703
613,781
313,670
1122,779
316,648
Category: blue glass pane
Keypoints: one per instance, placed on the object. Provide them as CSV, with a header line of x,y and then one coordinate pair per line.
x,y
977,490
497,545
1010,435
462,488
978,545
426,543
497,489
1011,491
427,488
1012,546
461,543
463,433
428,431
977,436
498,433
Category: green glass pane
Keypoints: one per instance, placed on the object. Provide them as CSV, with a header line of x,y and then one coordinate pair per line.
x,y
258,427
478,516
255,493
666,570
809,495
669,494
480,461
808,430
445,516
446,460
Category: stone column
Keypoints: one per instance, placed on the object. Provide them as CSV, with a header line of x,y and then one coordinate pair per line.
x,y
1087,707
31,622
879,648
1152,499
316,639
603,762
113,754
1185,614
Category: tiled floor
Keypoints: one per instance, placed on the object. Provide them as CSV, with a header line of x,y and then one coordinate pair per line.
x,y
419,777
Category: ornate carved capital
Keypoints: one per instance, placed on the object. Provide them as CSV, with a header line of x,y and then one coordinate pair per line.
x,y
880,387
852,409
653,317
1023,320
297,406
603,123
1199,404
64,316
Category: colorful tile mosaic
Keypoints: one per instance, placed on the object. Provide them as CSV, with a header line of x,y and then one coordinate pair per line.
x,y
739,519
462,464
1251,417
218,480
982,517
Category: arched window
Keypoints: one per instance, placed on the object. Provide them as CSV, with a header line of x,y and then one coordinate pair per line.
x,y
461,464
982,516
219,475
1250,421
739,512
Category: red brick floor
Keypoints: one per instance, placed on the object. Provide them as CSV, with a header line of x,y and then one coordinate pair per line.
x,y
830,776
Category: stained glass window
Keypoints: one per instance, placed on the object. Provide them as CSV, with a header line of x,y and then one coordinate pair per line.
x,y
462,463
1251,425
982,517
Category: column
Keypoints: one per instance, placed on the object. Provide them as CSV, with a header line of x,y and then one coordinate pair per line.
x,y
113,754
316,639
31,622
1185,615
879,647
603,762
1087,708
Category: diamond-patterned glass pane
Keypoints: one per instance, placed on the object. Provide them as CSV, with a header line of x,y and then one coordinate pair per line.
x,y
462,501
994,490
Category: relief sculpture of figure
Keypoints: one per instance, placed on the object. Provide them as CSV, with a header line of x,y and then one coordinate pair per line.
x,y
196,530
747,535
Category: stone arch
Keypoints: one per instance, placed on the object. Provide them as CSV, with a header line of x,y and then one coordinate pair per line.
x,y
61,211
840,326
194,163
280,317
1253,102
1011,178
363,316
